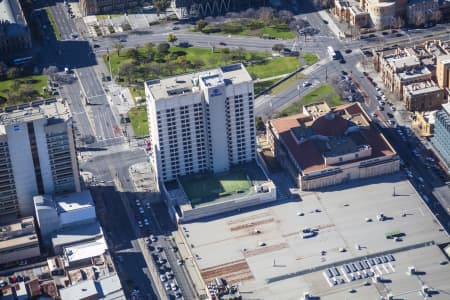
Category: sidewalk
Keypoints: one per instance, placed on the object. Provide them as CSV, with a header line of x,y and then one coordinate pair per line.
x,y
190,264
331,24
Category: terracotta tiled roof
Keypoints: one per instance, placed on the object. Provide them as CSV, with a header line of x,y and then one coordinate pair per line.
x,y
308,155
329,125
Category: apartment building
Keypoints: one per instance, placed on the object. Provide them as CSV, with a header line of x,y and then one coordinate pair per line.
x,y
350,12
410,73
18,241
92,7
201,122
423,123
14,31
327,146
443,71
441,139
37,155
423,96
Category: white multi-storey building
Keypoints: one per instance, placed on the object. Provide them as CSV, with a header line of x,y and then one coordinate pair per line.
x,y
37,155
201,121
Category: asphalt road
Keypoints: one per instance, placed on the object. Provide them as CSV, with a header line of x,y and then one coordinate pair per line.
x,y
112,211
106,151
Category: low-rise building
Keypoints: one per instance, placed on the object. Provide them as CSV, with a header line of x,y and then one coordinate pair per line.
x,y
18,241
14,31
410,73
92,7
67,220
104,288
322,146
420,12
350,12
423,123
423,96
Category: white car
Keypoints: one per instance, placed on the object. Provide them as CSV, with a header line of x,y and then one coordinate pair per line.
x,y
153,238
163,277
306,83
146,222
138,203
374,115
141,210
173,286
391,122
140,224
167,286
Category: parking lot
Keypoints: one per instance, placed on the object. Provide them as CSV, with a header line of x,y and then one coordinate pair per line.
x,y
262,245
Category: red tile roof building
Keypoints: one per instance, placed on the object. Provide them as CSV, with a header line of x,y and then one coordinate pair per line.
x,y
326,146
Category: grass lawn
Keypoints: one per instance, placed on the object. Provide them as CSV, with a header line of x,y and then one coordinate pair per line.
x,y
261,86
274,67
287,83
53,23
107,16
207,58
137,91
15,86
201,188
310,58
138,118
322,93
269,31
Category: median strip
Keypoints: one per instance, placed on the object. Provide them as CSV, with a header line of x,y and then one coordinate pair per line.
x,y
51,18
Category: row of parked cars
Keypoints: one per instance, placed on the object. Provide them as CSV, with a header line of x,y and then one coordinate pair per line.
x,y
165,272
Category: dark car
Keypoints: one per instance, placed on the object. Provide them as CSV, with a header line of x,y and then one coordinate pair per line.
x,y
399,35
385,33
342,61
96,46
372,35
184,45
348,50
344,72
222,44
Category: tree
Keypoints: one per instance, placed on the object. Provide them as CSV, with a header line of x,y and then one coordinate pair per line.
x,y
127,70
118,47
3,69
13,73
265,15
149,46
197,63
436,15
278,47
201,24
161,6
132,53
163,48
183,62
50,71
171,38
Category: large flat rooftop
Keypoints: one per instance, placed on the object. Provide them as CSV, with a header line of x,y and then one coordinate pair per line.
x,y
188,83
287,265
51,109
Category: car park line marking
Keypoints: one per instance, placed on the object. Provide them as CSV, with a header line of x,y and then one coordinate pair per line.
x,y
386,269
379,271
392,267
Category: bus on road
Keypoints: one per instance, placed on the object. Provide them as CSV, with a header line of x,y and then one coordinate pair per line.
x,y
331,52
